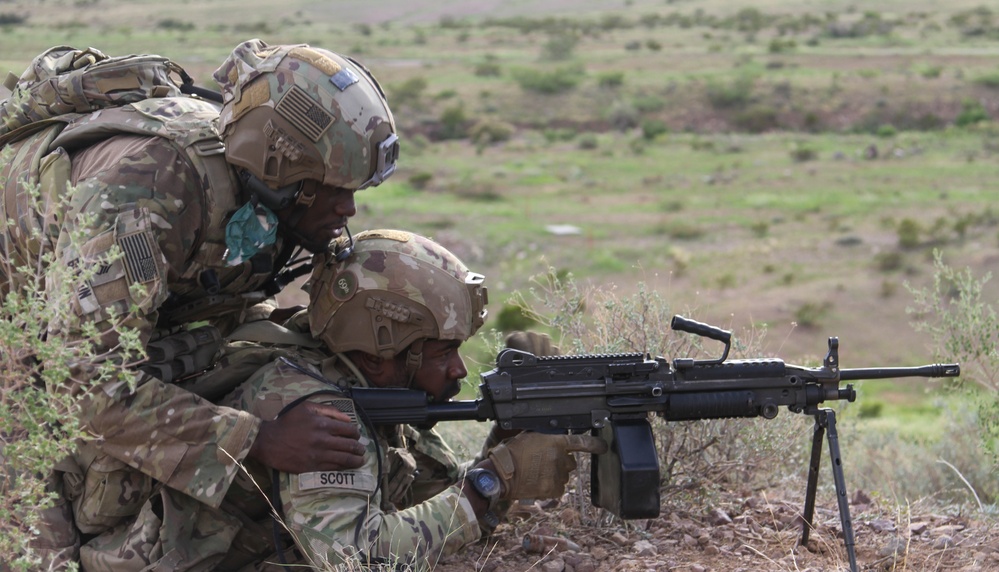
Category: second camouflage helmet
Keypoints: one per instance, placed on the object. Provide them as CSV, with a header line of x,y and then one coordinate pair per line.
x,y
294,112
394,289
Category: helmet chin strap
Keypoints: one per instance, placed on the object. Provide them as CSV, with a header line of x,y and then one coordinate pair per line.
x,y
414,358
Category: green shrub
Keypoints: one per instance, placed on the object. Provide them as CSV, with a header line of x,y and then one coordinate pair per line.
x,y
727,94
49,359
453,122
889,261
512,318
174,24
560,46
408,92
10,19
488,69
649,103
652,128
610,80
887,131
756,119
623,115
588,141
420,180
972,112
965,327
811,314
803,152
909,232
552,82
489,131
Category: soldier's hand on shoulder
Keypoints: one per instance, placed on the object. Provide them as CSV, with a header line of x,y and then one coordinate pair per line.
x,y
309,437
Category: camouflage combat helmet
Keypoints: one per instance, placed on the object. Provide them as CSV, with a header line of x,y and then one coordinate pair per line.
x,y
294,112
393,291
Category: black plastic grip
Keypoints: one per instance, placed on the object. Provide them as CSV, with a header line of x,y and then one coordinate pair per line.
x,y
681,324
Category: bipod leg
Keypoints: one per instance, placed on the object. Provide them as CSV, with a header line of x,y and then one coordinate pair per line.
x,y
813,476
840,481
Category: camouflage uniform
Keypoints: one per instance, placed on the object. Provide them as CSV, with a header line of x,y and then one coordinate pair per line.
x,y
150,200
155,175
404,505
415,511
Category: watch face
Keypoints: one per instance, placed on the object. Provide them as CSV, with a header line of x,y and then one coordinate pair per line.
x,y
486,482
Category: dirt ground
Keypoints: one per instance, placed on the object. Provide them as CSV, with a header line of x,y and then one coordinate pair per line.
x,y
735,533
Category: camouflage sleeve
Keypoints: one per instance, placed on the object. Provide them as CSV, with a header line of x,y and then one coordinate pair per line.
x,y
147,201
333,515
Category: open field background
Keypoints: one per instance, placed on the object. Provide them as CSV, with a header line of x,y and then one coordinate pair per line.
x,y
773,164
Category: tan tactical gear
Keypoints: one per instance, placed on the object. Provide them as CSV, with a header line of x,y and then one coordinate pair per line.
x,y
396,288
295,112
537,466
63,80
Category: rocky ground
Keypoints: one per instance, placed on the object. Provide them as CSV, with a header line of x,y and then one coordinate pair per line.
x,y
735,533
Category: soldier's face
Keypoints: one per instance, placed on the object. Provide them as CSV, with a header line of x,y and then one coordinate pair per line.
x,y
325,219
441,370
440,374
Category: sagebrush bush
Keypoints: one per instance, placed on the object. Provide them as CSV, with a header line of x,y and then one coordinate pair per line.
x,y
48,358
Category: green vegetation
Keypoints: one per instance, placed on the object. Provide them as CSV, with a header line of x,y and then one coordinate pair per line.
x,y
43,370
774,166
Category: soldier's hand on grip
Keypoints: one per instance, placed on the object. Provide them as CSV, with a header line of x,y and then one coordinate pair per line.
x,y
309,437
537,466
539,344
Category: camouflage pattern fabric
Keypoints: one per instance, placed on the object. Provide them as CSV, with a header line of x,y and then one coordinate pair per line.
x,y
345,114
155,197
422,290
343,516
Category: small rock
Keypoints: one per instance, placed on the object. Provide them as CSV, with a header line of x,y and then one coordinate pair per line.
x,y
894,548
917,528
689,540
883,525
599,553
586,566
698,568
619,539
554,565
711,550
645,548
703,540
718,517
943,542
948,529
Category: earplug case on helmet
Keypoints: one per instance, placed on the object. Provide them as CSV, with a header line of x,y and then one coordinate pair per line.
x,y
394,289
294,112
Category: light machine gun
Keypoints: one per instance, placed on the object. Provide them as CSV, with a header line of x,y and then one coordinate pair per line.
x,y
613,395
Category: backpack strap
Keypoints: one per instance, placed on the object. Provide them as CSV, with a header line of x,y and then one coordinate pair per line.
x,y
268,332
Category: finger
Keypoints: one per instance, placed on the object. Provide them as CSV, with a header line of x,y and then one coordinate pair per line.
x,y
338,461
339,429
328,411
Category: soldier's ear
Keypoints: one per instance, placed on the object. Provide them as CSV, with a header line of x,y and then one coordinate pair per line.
x,y
378,371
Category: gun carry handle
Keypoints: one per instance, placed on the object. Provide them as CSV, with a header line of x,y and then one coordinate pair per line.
x,y
681,324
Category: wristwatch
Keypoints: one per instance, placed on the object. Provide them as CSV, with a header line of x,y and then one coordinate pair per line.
x,y
487,484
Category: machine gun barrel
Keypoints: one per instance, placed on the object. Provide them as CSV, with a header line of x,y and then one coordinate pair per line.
x,y
932,370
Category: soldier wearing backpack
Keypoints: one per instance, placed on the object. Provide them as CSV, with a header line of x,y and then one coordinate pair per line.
x,y
207,202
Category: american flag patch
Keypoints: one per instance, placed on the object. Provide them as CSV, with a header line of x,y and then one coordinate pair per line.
x,y
139,261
